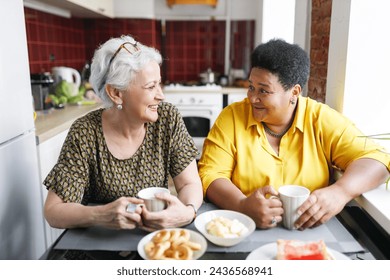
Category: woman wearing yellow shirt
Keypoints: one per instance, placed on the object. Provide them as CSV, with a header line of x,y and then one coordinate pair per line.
x,y
276,137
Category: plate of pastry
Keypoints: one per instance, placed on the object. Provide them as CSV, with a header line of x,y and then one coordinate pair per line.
x,y
172,244
296,250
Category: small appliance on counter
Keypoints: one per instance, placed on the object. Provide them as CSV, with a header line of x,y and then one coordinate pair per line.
x,y
40,87
68,74
208,77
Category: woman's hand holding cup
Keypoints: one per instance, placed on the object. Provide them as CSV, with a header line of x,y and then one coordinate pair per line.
x,y
292,197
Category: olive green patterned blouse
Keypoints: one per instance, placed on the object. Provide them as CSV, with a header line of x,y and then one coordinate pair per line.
x,y
86,171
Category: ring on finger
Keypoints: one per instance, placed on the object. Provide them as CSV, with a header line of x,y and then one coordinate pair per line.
x,y
273,221
131,207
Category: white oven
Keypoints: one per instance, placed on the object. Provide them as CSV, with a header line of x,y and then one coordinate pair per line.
x,y
236,97
199,107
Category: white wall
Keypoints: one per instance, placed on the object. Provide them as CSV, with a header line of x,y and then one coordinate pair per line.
x,y
278,20
285,19
358,66
302,25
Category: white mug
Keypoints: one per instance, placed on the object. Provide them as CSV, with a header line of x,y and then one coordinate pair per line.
x,y
151,202
292,197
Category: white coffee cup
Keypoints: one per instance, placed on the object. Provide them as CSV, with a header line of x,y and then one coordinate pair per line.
x,y
152,203
292,197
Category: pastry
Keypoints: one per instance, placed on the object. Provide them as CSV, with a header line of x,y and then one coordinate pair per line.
x,y
301,250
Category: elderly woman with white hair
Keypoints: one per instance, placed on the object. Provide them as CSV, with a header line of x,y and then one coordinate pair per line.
x,y
135,142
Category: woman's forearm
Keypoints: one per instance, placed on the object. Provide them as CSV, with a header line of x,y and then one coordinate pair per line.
x,y
361,176
67,215
225,194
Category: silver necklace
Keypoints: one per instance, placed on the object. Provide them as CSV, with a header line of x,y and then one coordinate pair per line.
x,y
273,134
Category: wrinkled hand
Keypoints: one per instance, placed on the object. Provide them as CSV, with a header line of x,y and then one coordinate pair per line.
x,y
320,207
114,214
261,209
175,215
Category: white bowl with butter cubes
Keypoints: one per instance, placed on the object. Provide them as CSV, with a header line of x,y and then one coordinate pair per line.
x,y
224,228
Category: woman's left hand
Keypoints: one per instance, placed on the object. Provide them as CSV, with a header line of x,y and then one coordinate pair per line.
x,y
175,215
320,207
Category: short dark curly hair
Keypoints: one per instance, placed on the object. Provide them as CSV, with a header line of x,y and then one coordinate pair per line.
x,y
287,61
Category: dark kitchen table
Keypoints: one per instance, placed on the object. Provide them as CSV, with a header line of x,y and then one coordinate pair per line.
x,y
101,243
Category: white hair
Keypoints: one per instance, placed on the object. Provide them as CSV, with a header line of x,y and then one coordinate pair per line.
x,y
123,67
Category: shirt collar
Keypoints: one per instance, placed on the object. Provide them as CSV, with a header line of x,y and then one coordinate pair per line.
x,y
250,120
300,114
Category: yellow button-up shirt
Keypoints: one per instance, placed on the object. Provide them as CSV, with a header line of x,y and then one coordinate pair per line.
x,y
319,139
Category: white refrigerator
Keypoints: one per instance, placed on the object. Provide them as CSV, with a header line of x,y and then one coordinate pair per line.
x,y
22,234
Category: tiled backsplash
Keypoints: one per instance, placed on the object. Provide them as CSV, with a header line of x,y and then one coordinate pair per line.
x,y
188,47
192,47
242,43
54,41
97,31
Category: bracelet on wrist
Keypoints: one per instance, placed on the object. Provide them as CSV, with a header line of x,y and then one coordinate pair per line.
x,y
195,211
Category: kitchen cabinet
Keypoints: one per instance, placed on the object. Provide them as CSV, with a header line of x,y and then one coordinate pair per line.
x,y
51,128
153,9
212,3
225,10
48,153
74,8
130,9
159,9
103,7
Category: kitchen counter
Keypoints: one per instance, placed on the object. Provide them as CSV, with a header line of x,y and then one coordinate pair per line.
x,y
54,121
232,90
